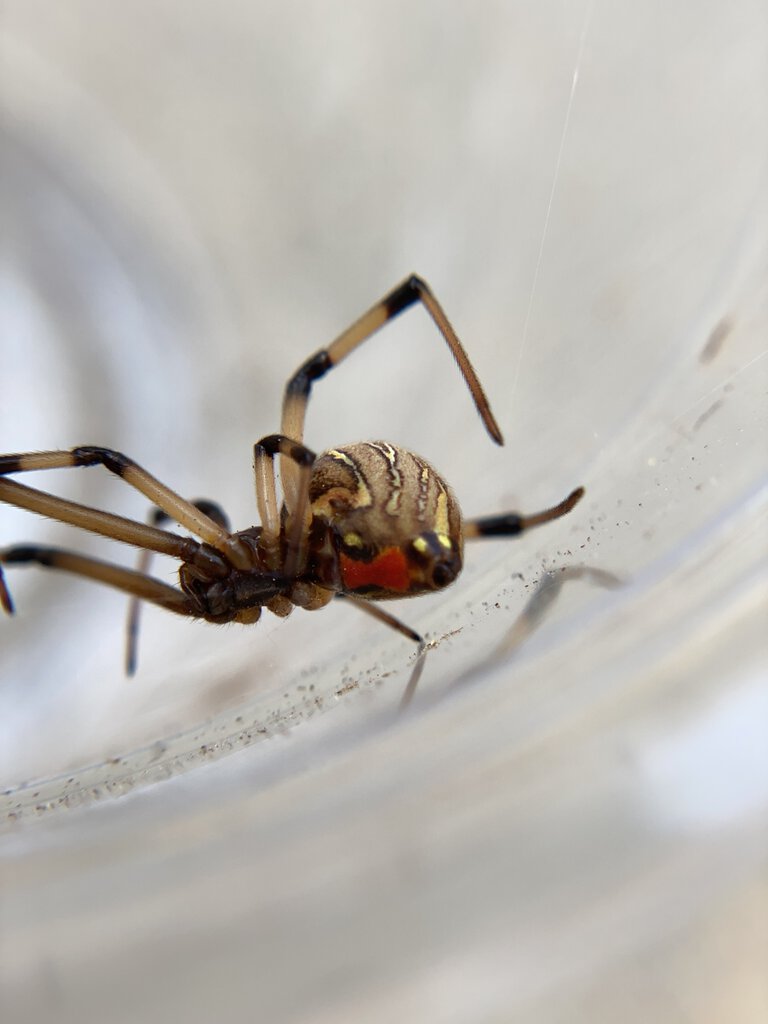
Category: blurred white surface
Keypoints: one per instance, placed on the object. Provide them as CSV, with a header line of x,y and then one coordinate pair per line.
x,y
194,198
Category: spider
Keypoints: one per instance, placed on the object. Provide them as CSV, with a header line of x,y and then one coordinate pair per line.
x,y
365,522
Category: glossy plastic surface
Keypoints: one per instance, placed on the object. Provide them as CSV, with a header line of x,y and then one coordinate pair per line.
x,y
569,823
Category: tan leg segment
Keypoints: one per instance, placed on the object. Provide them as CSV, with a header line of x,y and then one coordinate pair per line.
x,y
300,457
104,523
177,508
266,493
142,567
144,587
298,389
389,620
509,524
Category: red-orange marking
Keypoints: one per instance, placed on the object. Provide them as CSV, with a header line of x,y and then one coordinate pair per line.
x,y
389,571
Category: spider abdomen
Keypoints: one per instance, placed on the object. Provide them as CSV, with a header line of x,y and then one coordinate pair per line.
x,y
395,523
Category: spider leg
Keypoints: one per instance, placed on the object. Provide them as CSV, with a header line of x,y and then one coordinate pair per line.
x,y
266,494
130,582
509,524
406,294
175,507
95,521
6,602
303,459
389,620
157,516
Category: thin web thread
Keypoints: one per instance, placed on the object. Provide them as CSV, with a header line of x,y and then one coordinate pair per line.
x,y
555,177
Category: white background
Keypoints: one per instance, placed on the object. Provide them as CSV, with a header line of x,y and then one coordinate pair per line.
x,y
194,198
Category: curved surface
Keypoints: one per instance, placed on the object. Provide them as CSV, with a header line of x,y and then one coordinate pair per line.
x,y
569,822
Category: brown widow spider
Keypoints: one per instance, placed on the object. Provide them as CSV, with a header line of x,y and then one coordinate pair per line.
x,y
365,522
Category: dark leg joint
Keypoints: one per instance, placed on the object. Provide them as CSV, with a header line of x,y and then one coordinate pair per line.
x,y
208,508
506,525
18,556
115,462
314,368
410,291
27,553
10,464
279,444
214,512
